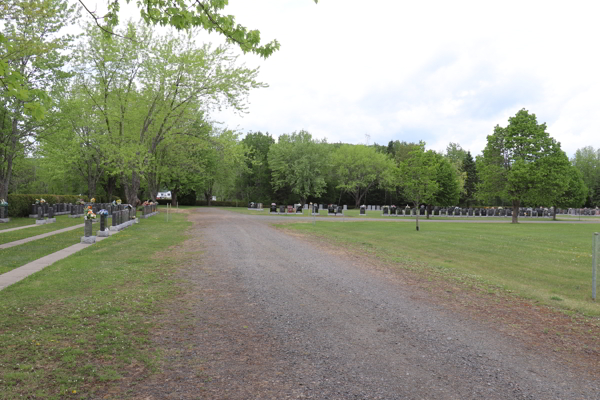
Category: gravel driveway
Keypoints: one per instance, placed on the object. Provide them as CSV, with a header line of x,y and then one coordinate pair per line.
x,y
268,315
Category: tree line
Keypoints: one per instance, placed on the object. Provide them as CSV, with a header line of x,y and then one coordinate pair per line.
x,y
127,114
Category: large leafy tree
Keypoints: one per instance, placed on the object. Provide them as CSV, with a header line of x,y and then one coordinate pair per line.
x,y
145,90
255,183
299,165
587,161
360,168
522,163
31,65
576,192
470,187
417,176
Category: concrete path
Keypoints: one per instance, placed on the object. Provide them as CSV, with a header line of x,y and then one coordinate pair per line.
x,y
43,235
24,271
17,228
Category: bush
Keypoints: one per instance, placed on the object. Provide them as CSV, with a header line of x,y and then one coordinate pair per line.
x,y
19,205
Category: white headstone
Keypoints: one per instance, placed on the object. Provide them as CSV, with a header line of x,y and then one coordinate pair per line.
x,y
345,207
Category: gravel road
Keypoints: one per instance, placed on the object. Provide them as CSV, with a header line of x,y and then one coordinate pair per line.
x,y
277,317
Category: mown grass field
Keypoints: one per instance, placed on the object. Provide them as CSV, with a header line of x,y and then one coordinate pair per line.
x,y
62,221
82,323
550,263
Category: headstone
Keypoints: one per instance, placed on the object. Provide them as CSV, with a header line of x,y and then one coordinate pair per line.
x,y
340,210
393,210
315,209
345,207
273,208
40,212
330,209
386,211
281,209
363,210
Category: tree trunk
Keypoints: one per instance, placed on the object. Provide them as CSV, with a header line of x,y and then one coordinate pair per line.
x,y
109,187
132,187
208,197
10,153
417,214
428,209
554,213
515,214
174,196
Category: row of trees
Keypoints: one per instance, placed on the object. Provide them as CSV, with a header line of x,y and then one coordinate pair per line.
x,y
128,113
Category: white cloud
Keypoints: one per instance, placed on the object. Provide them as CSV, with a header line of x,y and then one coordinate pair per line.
x,y
437,71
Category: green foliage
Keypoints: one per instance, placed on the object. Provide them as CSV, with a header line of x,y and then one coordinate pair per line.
x,y
358,168
182,14
448,181
417,177
254,184
470,187
299,165
522,163
587,161
19,205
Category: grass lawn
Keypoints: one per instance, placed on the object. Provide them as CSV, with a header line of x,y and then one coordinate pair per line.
x,y
16,222
551,263
16,256
81,323
62,221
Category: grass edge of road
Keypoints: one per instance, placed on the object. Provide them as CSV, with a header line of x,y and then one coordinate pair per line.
x,y
77,327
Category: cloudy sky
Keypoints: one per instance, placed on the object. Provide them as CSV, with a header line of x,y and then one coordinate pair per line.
x,y
439,71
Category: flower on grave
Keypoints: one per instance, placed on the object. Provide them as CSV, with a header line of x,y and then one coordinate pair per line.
x,y
37,201
89,215
42,201
103,212
118,201
93,200
80,201
3,203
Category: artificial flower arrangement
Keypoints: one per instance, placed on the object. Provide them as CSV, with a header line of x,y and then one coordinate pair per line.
x,y
40,201
118,201
90,214
103,212
3,203
80,201
93,200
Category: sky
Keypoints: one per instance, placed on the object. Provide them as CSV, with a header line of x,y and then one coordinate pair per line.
x,y
373,71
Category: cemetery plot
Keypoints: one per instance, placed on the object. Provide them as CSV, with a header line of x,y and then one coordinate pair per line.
x,y
61,222
16,223
17,256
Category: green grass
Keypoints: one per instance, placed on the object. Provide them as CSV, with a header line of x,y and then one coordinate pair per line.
x,y
544,262
17,256
62,221
83,322
16,222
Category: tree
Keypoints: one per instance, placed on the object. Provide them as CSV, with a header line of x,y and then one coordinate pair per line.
x,y
587,161
145,90
299,165
448,181
417,176
182,14
31,61
255,183
470,187
359,168
522,163
576,192
455,155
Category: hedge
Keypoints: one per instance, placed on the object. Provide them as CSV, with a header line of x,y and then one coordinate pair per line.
x,y
19,205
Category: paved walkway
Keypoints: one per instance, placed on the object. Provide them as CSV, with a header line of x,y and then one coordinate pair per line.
x,y
43,235
17,228
24,271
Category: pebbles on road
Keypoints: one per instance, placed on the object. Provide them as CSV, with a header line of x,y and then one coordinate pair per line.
x,y
268,315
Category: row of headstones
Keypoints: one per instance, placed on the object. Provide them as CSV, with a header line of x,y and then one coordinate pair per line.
x,y
120,220
254,206
466,212
149,210
580,211
75,210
